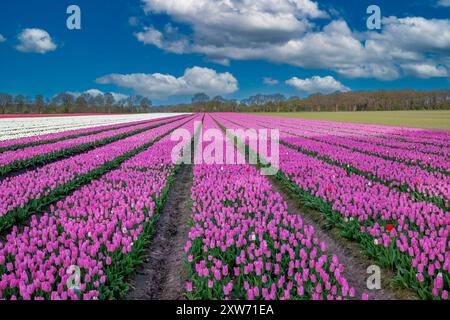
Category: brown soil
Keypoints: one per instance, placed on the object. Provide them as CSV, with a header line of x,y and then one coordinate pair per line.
x,y
162,276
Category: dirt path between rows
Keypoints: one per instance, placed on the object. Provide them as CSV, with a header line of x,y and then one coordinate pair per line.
x,y
162,276
354,261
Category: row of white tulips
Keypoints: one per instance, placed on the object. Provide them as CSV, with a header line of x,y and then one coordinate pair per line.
x,y
14,128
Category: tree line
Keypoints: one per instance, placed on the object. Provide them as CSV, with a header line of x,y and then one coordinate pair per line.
x,y
70,103
381,100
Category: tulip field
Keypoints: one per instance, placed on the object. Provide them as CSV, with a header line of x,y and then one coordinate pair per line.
x,y
82,198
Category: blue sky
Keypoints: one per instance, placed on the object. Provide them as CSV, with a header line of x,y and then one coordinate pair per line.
x,y
170,49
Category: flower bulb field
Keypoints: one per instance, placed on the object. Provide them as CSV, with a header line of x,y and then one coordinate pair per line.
x,y
182,207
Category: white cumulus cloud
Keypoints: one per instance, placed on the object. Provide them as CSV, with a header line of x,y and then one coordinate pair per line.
x,y
151,36
258,20
287,31
316,84
424,70
93,92
238,22
2,38
35,40
161,86
119,96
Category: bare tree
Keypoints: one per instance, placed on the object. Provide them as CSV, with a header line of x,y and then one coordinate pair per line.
x,y
19,101
65,100
99,103
145,104
81,103
39,103
6,101
109,102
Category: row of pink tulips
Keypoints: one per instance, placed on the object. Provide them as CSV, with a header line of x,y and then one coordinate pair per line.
x,y
362,136
418,229
18,190
415,135
100,229
245,245
45,138
385,219
434,186
12,156
414,180
434,161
